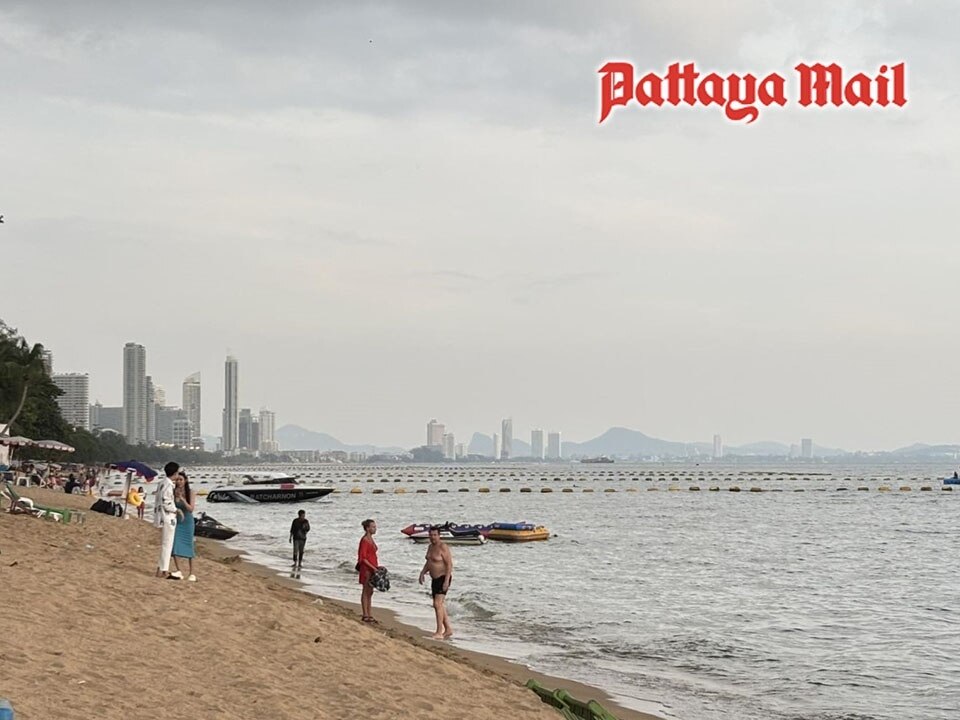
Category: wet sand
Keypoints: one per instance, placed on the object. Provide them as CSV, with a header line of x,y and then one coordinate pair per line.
x,y
89,632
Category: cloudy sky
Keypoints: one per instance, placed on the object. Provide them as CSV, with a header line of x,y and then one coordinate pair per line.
x,y
393,211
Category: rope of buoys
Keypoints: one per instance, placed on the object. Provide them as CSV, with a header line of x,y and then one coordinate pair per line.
x,y
504,489
925,488
399,491
588,489
883,488
546,490
734,488
525,490
694,488
378,491
756,489
422,490
905,488
863,488
463,490
355,491
610,490
567,490
483,490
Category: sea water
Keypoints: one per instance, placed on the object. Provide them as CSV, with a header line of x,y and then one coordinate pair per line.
x,y
810,600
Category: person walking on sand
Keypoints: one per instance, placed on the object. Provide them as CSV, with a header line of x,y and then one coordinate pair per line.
x,y
183,546
165,517
367,565
298,536
439,565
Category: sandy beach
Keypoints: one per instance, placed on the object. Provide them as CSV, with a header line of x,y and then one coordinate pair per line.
x,y
89,632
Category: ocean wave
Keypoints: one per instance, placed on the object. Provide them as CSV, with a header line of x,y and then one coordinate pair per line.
x,y
476,610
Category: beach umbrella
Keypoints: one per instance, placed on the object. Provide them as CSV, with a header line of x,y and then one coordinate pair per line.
x,y
55,445
16,441
144,471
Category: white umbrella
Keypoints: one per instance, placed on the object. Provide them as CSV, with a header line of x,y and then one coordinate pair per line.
x,y
54,445
16,441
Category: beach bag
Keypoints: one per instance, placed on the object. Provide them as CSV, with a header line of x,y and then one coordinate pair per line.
x,y
380,580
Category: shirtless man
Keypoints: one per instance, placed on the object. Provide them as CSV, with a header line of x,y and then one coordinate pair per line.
x,y
440,566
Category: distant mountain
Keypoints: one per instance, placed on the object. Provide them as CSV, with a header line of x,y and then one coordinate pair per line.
x,y
294,437
623,442
920,450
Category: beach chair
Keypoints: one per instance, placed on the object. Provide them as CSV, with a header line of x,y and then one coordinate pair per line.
x,y
29,506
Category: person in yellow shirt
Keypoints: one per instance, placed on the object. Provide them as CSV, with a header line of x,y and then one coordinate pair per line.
x,y
135,498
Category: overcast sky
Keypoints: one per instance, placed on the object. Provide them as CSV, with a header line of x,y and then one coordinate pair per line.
x,y
396,211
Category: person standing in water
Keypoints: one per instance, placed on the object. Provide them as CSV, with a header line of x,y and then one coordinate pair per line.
x,y
367,565
298,536
439,565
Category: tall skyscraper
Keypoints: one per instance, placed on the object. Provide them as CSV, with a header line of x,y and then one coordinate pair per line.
x,y
159,396
248,433
536,444
151,412
182,432
554,451
191,405
231,418
449,447
435,433
717,447
47,362
496,446
806,448
75,401
135,393
268,441
506,447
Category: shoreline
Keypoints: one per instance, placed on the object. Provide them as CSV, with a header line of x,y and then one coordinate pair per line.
x,y
390,624
88,619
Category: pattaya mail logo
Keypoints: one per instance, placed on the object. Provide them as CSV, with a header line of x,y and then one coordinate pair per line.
x,y
742,96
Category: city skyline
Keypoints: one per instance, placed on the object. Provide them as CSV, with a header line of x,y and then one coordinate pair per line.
x,y
669,270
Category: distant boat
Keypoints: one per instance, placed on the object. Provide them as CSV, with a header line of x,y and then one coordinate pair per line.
x,y
267,487
952,480
450,533
602,459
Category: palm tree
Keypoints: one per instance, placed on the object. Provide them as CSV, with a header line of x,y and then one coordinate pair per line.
x,y
20,366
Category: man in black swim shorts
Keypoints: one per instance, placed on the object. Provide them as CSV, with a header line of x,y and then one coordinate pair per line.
x,y
439,565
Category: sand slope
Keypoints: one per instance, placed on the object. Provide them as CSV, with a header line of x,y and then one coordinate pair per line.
x,y
88,632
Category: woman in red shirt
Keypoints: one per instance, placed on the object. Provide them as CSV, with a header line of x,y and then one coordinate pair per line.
x,y
367,564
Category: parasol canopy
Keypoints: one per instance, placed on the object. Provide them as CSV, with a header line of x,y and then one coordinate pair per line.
x,y
16,441
54,445
144,471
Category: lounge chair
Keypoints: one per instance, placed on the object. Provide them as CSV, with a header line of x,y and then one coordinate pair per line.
x,y
22,504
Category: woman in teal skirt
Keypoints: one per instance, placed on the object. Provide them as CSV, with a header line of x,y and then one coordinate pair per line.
x,y
183,538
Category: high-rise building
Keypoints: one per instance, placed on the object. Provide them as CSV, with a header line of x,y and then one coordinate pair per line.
x,y
159,396
191,405
554,451
75,401
106,418
268,441
151,412
166,417
536,444
231,418
461,451
496,446
47,357
182,432
435,433
245,429
717,447
449,447
135,393
506,446
806,448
